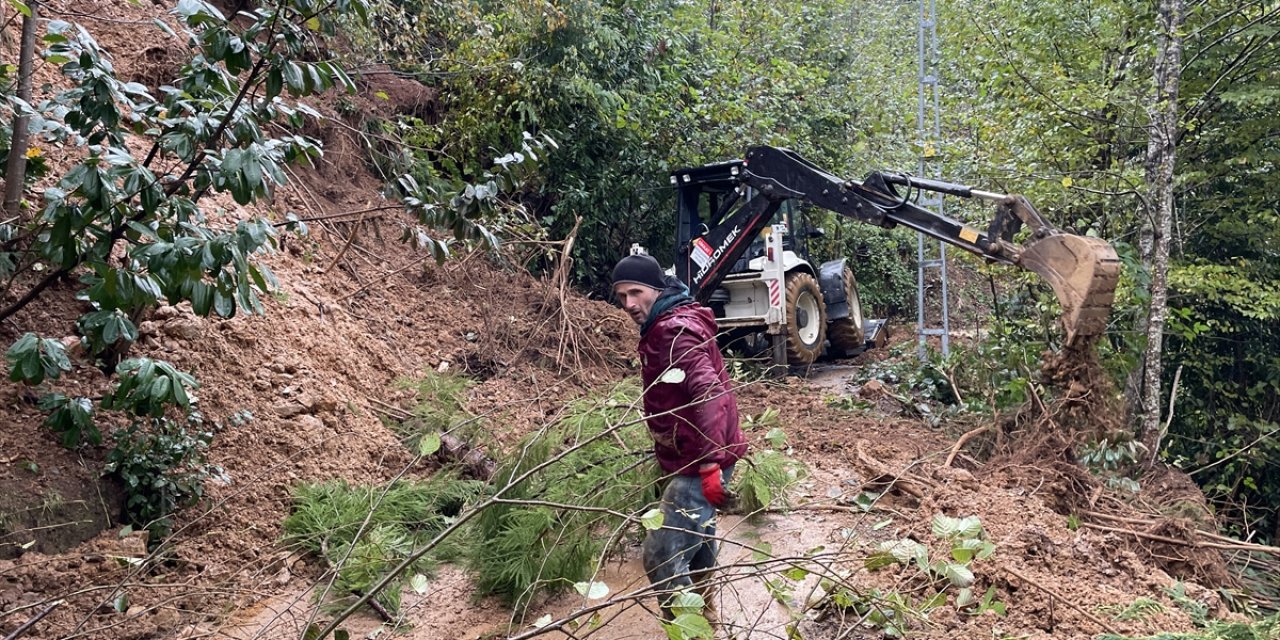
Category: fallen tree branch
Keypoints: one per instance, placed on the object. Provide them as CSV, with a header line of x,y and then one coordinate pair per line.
x,y
1210,540
330,216
1195,544
1052,594
1141,534
376,606
389,410
1115,518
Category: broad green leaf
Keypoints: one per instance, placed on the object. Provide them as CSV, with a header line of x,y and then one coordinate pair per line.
x,y
687,602
688,626
986,550
652,519
21,7
904,550
762,552
418,583
937,600
879,560
958,574
428,444
275,83
947,527
673,375
223,304
292,75
592,590
796,573
776,437
966,549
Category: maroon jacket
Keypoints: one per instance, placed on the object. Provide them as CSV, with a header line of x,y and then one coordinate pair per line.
x,y
693,420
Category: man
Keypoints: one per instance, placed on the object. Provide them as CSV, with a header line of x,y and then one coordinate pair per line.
x,y
692,416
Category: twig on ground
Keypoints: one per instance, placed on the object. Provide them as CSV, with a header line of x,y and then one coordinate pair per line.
x,y
1055,596
330,216
377,606
969,435
393,412
355,230
34,619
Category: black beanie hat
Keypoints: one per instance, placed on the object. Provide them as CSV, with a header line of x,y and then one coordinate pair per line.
x,y
640,269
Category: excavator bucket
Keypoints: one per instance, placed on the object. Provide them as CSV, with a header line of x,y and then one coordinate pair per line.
x,y
1083,272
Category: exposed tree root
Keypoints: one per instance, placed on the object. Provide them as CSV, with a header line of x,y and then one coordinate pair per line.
x,y
885,480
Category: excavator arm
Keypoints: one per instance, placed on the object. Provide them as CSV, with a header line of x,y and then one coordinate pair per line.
x,y
1082,271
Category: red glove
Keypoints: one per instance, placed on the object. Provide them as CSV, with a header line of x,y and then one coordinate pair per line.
x,y
712,484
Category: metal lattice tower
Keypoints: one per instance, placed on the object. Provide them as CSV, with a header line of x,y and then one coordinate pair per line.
x,y
929,132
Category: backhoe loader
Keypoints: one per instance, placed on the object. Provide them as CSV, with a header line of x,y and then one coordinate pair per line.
x,y
740,247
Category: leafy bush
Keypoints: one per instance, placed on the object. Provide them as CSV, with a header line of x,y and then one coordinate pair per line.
x,y
126,219
967,545
364,532
883,262
33,359
1114,459
551,528
71,419
163,465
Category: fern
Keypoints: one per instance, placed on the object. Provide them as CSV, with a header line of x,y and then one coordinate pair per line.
x,y
1198,611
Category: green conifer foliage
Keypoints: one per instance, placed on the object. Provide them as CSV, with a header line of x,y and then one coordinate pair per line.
x,y
365,531
553,528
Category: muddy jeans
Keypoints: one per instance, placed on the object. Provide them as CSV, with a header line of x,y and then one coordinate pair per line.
x,y
683,552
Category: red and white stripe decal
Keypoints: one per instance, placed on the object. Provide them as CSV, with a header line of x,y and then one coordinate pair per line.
x,y
775,294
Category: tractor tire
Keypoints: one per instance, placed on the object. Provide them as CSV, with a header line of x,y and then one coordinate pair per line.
x,y
806,319
847,337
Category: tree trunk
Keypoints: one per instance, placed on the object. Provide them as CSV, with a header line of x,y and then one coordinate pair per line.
x,y
1161,150
15,173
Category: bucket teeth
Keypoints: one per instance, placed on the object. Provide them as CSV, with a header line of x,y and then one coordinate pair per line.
x,y
1083,272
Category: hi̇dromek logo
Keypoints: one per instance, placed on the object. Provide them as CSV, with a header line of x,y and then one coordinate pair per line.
x,y
728,240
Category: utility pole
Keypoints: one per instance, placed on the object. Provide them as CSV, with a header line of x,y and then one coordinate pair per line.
x,y
929,133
